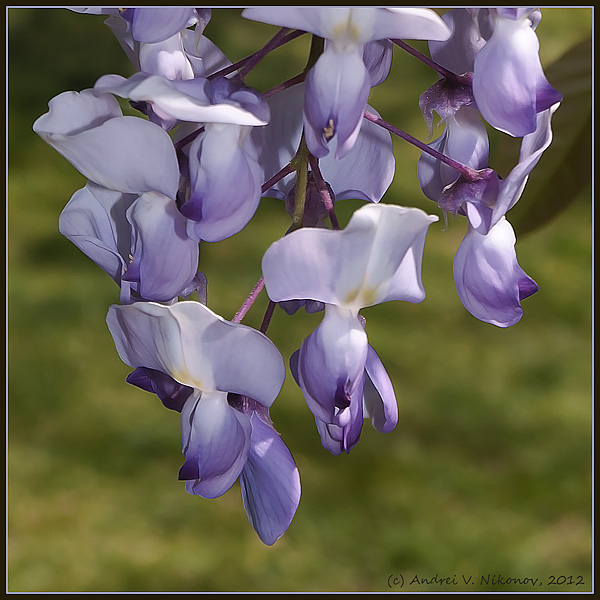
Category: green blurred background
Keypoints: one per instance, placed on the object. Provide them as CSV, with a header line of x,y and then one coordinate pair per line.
x,y
487,473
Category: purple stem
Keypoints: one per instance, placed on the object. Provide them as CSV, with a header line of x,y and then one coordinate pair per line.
x,y
247,64
182,143
467,172
240,314
260,284
323,191
277,177
425,59
284,86
267,318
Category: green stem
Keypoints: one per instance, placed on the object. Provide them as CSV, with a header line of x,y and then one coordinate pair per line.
x,y
300,161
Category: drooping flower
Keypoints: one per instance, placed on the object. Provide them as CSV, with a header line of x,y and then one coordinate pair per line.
x,y
338,86
501,48
489,281
509,84
375,259
222,377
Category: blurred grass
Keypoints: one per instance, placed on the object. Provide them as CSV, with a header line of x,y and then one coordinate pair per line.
x,y
487,472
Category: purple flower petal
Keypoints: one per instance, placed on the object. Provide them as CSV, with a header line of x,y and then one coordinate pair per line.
x,y
532,148
216,439
226,182
270,483
172,394
508,77
457,53
377,57
197,348
364,173
155,24
464,140
205,57
489,281
125,154
377,258
186,100
337,89
93,220
342,438
156,224
379,397
167,58
354,24
331,365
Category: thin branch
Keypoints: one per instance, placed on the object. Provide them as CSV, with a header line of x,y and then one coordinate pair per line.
x,y
467,172
426,60
323,191
245,65
256,290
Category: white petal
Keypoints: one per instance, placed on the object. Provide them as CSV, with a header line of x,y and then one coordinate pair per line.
x,y
198,348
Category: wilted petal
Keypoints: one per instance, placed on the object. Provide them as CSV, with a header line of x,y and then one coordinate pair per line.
x,y
377,258
446,97
475,199
197,348
379,398
270,483
464,140
216,439
126,154
226,182
157,224
337,89
489,281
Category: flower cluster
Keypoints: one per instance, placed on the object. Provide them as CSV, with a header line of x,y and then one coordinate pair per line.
x,y
202,149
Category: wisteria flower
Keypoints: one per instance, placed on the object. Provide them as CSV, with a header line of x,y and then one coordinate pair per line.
x,y
489,281
222,377
338,86
221,152
375,259
126,215
126,234
364,173
501,48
